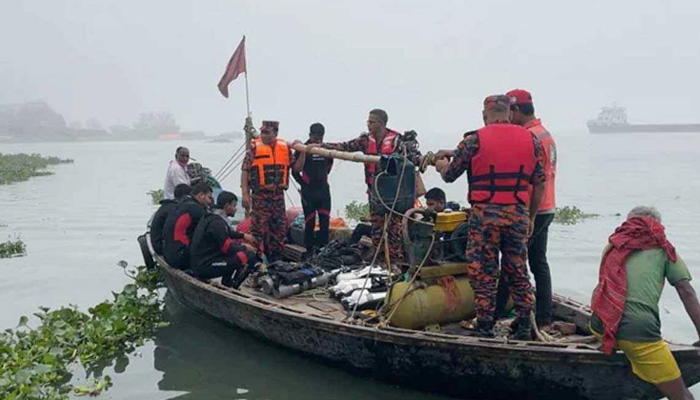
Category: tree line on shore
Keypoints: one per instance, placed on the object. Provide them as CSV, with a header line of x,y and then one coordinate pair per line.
x,y
36,121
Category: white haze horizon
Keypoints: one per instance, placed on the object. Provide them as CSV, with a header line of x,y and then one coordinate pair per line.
x,y
429,65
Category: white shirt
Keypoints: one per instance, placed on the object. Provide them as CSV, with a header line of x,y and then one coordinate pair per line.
x,y
176,175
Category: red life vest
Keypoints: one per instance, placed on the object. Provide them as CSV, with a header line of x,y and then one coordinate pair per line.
x,y
388,144
501,169
550,167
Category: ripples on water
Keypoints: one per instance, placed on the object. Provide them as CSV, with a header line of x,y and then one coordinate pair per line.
x,y
79,222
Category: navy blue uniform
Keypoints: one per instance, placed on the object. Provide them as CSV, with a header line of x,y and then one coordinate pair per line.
x,y
214,254
315,198
178,230
158,223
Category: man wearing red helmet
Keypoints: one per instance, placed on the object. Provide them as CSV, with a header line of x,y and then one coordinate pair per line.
x,y
523,114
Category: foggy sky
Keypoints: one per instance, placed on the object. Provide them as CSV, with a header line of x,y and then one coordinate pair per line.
x,y
428,63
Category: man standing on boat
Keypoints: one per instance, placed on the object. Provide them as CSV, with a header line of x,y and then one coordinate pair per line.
x,y
505,167
264,178
636,262
312,174
382,141
177,172
181,223
524,115
214,253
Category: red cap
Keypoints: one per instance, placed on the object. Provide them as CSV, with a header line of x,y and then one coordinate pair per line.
x,y
519,96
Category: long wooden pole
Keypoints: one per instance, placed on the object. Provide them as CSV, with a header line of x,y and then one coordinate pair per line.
x,y
336,154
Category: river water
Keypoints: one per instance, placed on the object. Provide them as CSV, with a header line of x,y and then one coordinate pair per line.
x,y
79,222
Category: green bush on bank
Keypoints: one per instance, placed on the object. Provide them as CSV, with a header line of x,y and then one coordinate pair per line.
x,y
21,167
12,248
36,362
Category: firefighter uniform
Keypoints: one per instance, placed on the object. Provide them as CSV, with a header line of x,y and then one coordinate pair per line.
x,y
503,162
268,178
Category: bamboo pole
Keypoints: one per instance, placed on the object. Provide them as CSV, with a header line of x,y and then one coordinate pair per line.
x,y
336,154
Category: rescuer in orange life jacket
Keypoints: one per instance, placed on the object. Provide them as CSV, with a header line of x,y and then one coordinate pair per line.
x,y
505,166
264,178
381,141
523,114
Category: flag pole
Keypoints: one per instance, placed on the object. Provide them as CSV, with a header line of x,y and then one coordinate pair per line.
x,y
247,98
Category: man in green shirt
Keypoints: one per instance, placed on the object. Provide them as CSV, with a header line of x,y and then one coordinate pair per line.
x,y
639,330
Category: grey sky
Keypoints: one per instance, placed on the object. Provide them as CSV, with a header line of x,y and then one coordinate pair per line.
x,y
428,63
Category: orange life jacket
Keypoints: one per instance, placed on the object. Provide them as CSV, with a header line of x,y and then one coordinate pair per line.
x,y
550,167
387,148
270,168
501,169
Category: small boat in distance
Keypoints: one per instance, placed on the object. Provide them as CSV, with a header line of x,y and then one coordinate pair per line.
x,y
613,119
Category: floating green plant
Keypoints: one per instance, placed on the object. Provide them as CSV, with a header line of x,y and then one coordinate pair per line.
x,y
357,211
36,361
12,248
571,215
21,167
156,195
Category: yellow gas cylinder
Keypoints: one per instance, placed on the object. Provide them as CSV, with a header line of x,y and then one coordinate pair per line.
x,y
450,299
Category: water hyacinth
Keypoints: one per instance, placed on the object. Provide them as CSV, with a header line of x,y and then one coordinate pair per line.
x,y
36,362
571,215
357,211
12,248
156,195
21,167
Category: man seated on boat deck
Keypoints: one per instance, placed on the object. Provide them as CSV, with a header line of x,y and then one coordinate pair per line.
x,y
636,261
382,141
497,158
177,172
214,253
159,218
264,178
181,223
435,200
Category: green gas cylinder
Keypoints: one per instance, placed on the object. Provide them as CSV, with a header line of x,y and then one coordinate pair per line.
x,y
449,299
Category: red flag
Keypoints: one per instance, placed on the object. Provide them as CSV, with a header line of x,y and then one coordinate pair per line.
x,y
235,66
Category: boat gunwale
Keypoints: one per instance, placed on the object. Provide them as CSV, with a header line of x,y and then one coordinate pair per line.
x,y
330,324
573,349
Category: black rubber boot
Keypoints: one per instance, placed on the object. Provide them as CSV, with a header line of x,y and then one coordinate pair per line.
x,y
484,328
521,329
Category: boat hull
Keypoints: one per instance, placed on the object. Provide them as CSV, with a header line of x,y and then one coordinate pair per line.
x,y
454,365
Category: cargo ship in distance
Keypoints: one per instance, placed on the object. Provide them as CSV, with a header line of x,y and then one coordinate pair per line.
x,y
613,119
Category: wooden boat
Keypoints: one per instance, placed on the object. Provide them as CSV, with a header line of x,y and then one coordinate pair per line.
x,y
452,364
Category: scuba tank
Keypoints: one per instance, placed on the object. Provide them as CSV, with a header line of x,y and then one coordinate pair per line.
x,y
364,299
387,184
290,290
